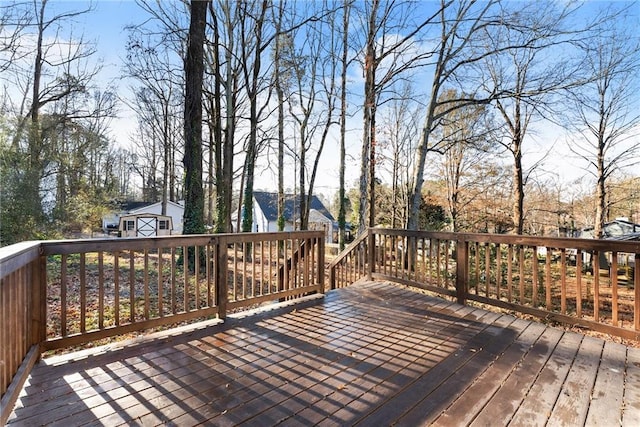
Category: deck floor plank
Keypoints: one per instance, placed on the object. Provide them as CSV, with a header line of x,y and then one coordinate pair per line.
x,y
463,410
371,354
460,380
631,405
513,390
607,396
573,400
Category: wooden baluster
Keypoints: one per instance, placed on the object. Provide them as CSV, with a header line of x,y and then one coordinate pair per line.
x,y
116,286
185,291
563,281
510,273
100,290
63,295
521,270
596,285
534,279
132,283
196,276
174,291
487,268
579,283
145,284
83,294
160,283
636,289
614,288
498,270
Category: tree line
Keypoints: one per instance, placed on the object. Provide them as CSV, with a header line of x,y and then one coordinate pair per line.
x,y
447,96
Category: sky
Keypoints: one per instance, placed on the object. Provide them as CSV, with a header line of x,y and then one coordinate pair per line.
x,y
106,26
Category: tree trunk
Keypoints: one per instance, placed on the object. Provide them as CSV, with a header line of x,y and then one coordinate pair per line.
x,y
280,94
601,193
194,70
367,170
166,148
342,220
518,189
415,198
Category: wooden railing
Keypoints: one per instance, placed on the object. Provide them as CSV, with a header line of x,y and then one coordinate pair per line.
x,y
56,294
22,314
591,283
352,264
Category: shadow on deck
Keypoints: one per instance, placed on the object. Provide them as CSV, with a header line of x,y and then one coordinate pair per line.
x,y
371,354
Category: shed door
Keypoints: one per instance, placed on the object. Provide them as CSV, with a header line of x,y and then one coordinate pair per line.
x,y
146,226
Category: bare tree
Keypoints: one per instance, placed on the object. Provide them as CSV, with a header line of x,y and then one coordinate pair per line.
x,y
14,19
399,135
528,77
385,57
257,37
344,63
606,110
157,100
313,102
474,38
226,103
457,47
466,132
254,43
282,76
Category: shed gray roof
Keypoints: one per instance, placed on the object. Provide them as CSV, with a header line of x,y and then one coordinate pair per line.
x,y
268,203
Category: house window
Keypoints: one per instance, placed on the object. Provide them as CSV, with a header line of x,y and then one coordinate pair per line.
x,y
129,225
163,224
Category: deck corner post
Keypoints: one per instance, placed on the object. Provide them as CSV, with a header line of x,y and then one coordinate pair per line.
x,y
371,244
221,270
636,290
462,269
321,249
38,299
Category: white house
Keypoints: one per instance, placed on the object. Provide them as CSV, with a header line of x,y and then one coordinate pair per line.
x,y
265,214
145,219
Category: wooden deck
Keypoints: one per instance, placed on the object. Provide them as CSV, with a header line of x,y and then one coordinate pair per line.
x,y
372,354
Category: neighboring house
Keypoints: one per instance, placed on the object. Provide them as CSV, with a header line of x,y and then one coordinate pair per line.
x,y
265,214
618,228
145,219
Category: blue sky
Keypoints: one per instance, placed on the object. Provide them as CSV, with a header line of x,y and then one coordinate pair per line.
x,y
106,26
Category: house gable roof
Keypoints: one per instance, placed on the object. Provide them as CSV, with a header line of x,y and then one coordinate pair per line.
x,y
268,203
129,206
149,205
136,207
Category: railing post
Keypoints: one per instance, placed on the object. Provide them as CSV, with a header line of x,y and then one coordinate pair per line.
x,y
221,267
371,246
462,269
321,267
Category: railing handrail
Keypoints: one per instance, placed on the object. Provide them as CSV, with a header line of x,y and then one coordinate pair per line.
x,y
347,249
59,247
539,241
